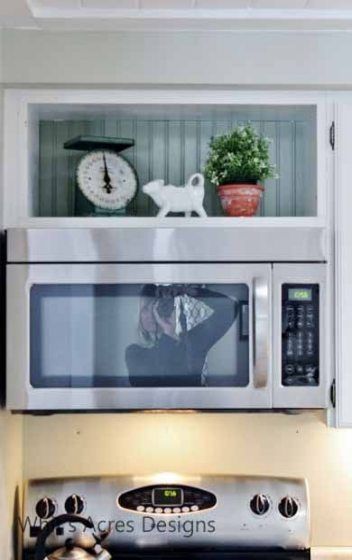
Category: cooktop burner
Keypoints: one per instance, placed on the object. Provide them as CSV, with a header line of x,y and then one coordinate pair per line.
x,y
170,517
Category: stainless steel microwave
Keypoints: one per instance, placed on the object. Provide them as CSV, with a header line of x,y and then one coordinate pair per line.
x,y
97,323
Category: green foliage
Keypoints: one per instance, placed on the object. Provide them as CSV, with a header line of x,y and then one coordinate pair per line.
x,y
242,155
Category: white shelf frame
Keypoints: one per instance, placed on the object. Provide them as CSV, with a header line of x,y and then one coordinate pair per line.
x,y
21,140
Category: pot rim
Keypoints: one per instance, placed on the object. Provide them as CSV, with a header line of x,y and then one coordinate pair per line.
x,y
255,186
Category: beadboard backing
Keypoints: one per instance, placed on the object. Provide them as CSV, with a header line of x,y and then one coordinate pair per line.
x,y
172,150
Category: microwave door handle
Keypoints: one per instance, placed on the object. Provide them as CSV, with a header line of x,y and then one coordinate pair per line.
x,y
260,332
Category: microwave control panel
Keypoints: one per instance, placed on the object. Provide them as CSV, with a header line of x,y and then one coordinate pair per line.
x,y
300,335
167,499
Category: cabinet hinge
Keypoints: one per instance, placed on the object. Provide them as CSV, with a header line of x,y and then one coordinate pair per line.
x,y
333,393
332,135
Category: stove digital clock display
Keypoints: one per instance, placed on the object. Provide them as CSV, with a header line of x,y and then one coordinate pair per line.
x,y
167,496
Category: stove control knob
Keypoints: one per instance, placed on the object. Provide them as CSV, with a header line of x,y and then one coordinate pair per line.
x,y
74,504
45,508
260,504
288,507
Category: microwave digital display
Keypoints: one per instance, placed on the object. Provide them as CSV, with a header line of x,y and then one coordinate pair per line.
x,y
168,496
300,294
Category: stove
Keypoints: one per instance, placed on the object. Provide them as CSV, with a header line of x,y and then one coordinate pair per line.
x,y
168,516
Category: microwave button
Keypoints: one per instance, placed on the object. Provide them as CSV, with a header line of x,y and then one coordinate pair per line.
x,y
167,510
290,345
300,310
300,345
300,351
176,510
149,509
159,510
299,369
290,318
310,370
185,509
290,380
140,508
312,381
300,316
289,369
194,508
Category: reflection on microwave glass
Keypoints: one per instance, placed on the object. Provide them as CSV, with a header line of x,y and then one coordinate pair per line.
x,y
151,335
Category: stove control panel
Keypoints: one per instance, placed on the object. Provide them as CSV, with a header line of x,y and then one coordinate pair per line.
x,y
167,499
300,335
169,510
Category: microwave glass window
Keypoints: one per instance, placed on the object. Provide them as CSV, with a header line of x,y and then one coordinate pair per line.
x,y
135,335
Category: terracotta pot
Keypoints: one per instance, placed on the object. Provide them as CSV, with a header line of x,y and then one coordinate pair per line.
x,y
240,199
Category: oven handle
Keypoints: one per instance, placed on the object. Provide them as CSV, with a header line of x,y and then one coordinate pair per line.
x,y
260,344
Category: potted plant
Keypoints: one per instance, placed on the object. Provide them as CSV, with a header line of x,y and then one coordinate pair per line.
x,y
236,162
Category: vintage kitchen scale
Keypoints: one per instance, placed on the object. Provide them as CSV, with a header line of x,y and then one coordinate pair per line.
x,y
105,178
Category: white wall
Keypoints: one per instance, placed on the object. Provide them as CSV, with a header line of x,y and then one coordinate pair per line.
x,y
241,58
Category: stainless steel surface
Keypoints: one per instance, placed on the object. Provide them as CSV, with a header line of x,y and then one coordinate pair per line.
x,y
231,522
78,248
261,337
136,244
302,397
22,396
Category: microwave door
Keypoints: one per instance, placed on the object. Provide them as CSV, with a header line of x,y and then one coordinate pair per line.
x,y
137,336
302,336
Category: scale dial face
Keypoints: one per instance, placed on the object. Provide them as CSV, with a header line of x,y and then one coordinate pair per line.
x,y
106,179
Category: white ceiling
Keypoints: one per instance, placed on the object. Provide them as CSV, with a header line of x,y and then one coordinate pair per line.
x,y
176,14
82,5
191,5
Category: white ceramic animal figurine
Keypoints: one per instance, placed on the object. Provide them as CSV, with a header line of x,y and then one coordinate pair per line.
x,y
185,199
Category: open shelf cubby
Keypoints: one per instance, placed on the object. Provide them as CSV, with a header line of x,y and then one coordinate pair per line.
x,y
171,142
